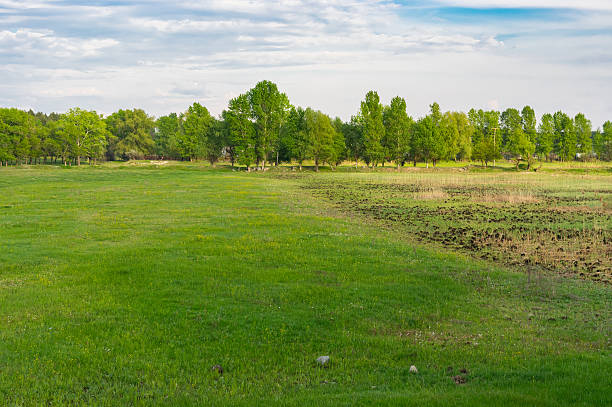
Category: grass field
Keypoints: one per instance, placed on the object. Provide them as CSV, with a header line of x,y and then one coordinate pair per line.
x,y
126,284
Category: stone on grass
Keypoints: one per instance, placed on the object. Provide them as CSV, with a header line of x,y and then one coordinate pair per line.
x,y
323,360
413,369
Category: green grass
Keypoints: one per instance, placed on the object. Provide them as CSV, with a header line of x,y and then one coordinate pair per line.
x,y
125,285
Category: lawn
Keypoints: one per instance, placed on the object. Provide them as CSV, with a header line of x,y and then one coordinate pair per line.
x,y
126,284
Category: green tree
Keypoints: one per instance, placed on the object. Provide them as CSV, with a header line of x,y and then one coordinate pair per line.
x,y
584,134
464,136
339,144
215,140
83,133
565,136
241,130
320,136
192,140
371,116
529,120
166,132
603,142
546,137
397,131
132,134
485,141
269,109
353,137
517,143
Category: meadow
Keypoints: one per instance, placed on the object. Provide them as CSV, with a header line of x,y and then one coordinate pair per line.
x,y
125,284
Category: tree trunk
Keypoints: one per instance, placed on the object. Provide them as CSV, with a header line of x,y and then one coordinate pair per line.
x,y
316,165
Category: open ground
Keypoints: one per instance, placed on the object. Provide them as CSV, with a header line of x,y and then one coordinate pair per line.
x,y
126,284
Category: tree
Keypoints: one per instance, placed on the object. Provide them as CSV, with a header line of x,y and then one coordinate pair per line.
x,y
241,130
565,136
529,120
296,135
584,134
485,141
191,141
397,130
546,136
429,138
166,132
215,140
603,142
132,134
320,136
464,136
353,136
269,109
339,144
371,116
83,134
517,143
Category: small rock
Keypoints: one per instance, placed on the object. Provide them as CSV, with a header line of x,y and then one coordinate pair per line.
x,y
464,371
218,369
323,360
413,369
459,379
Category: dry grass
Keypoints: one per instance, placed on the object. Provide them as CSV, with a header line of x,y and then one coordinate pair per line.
x,y
506,197
430,194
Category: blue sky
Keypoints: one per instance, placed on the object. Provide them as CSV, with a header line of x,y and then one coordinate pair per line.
x,y
162,56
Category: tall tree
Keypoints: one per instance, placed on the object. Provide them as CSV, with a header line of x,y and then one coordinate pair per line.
x,y
464,136
565,136
241,130
603,142
84,134
546,136
371,115
584,134
296,135
269,109
320,135
132,134
166,132
397,131
192,140
353,136
517,143
529,120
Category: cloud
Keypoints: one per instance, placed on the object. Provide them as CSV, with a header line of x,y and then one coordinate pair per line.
x,y
162,55
517,4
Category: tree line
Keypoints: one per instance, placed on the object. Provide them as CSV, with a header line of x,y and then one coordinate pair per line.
x,y
261,127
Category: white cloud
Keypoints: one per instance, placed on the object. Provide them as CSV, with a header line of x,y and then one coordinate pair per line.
x,y
553,4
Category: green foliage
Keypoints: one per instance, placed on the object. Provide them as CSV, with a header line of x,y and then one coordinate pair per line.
x,y
191,142
584,130
165,136
131,134
82,133
371,120
320,136
517,142
486,141
603,142
269,110
546,136
398,126
565,136
241,130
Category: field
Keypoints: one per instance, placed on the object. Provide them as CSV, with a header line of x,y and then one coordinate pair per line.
x,y
126,284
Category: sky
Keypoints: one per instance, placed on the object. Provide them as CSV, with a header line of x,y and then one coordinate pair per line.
x,y
162,55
